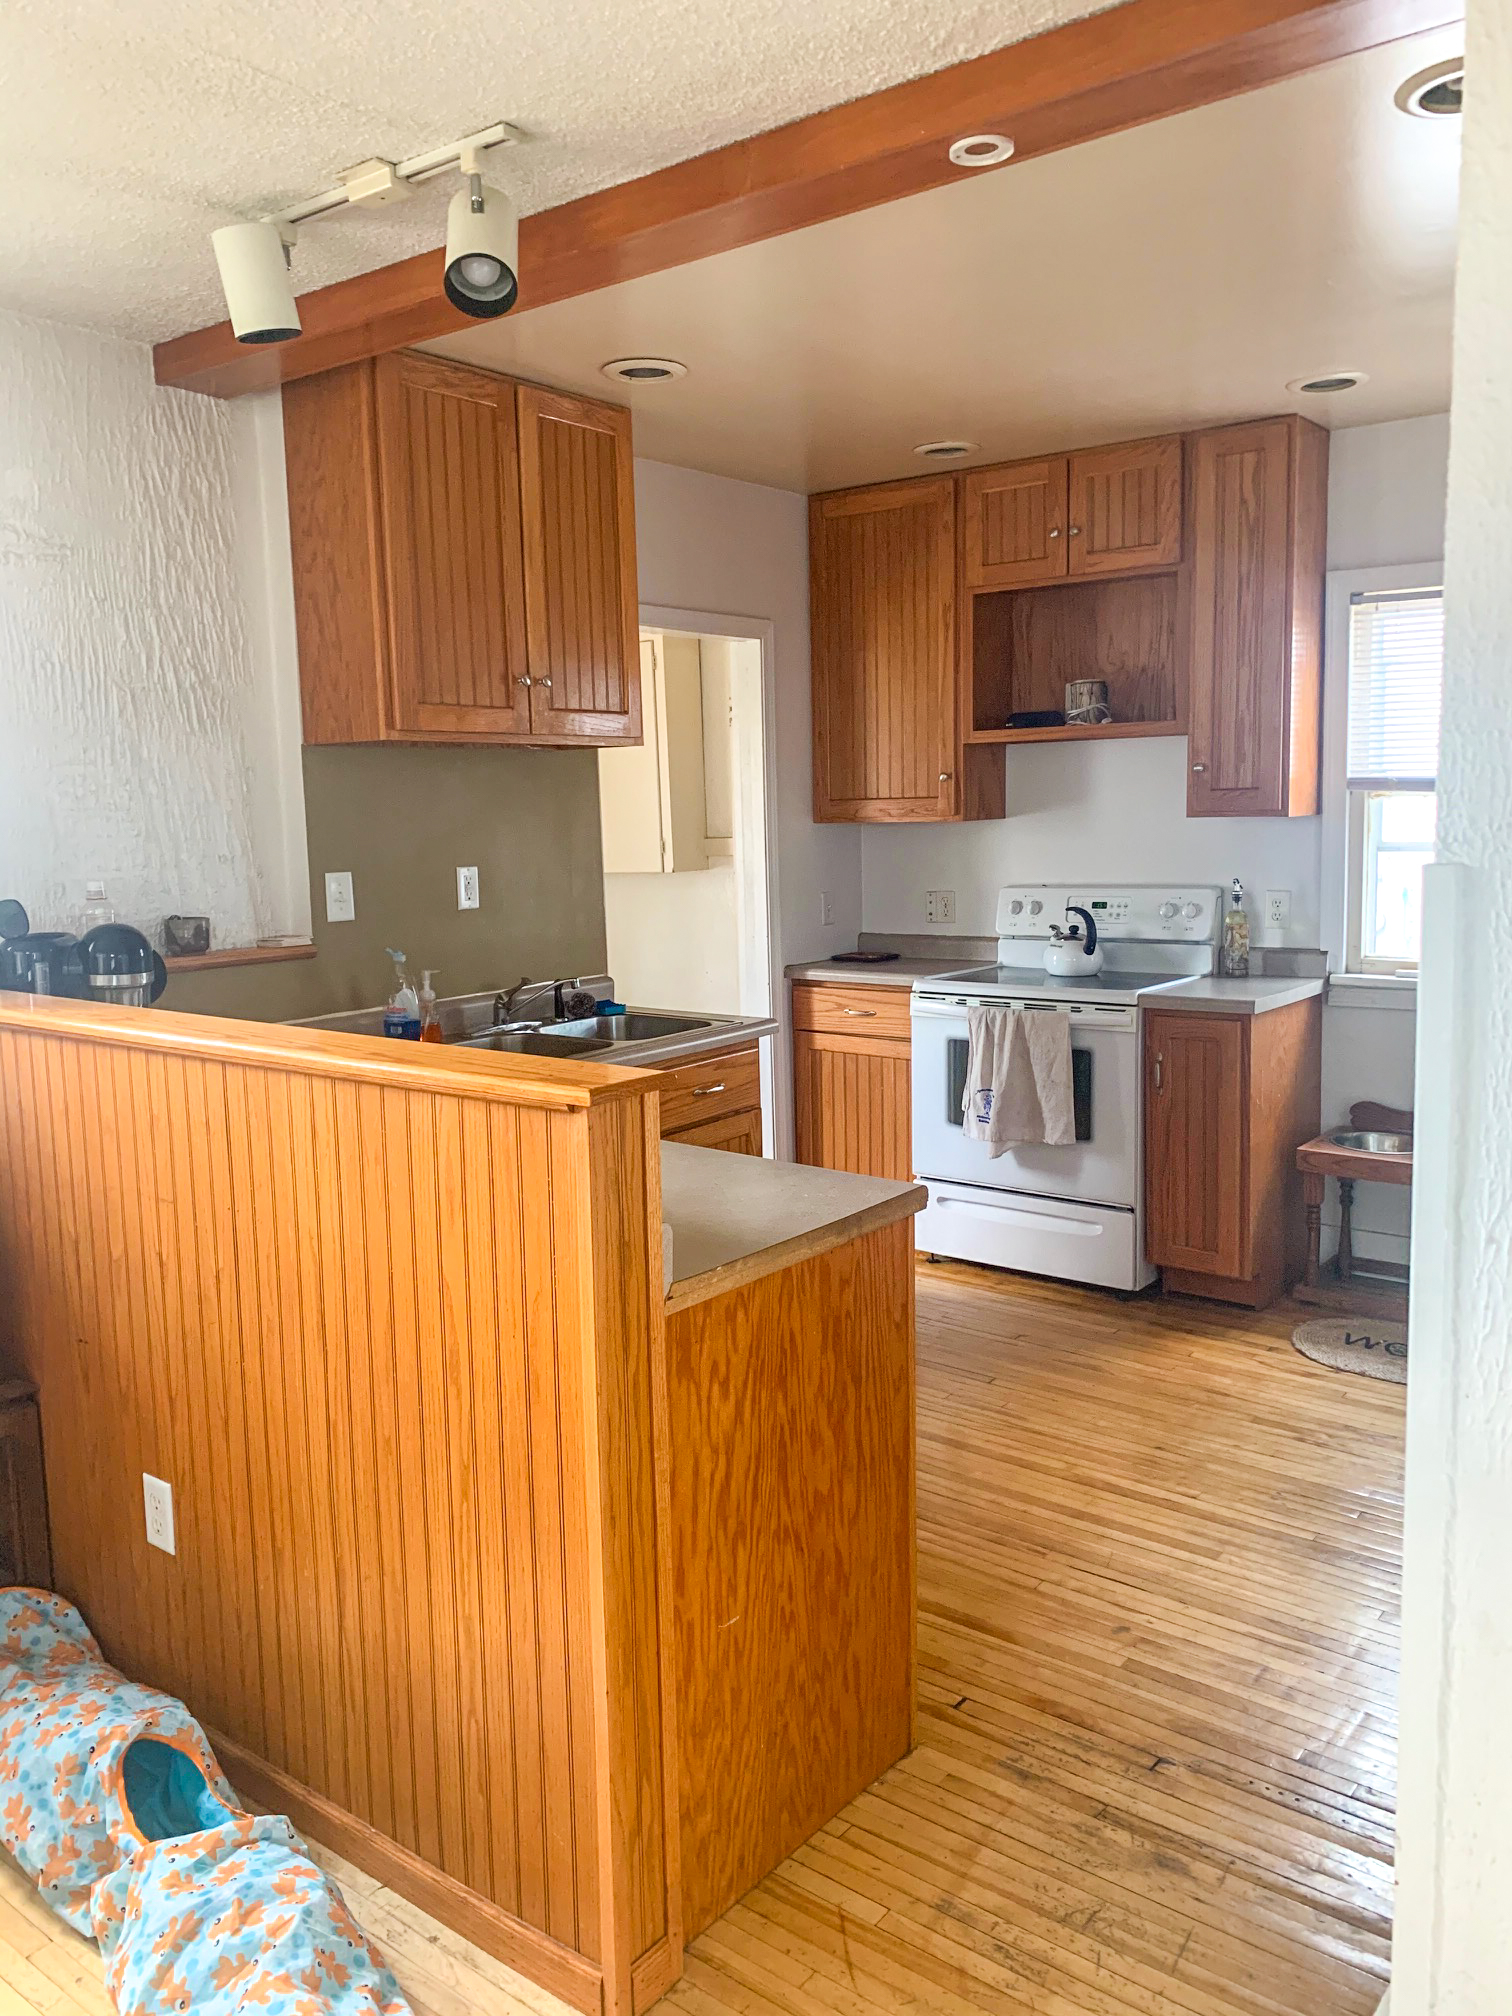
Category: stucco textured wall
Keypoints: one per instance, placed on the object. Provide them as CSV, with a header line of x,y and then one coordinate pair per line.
x,y
1452,1954
124,663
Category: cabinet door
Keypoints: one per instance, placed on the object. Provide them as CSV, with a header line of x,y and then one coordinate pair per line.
x,y
581,598
1259,509
852,1104
883,600
1014,524
738,1133
1125,507
1195,1141
448,469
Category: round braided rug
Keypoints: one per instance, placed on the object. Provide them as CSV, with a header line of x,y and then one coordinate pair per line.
x,y
1356,1344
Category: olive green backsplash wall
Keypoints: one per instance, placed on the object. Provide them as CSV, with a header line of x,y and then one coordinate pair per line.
x,y
403,821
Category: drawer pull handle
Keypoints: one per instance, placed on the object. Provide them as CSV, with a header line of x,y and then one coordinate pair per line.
x,y
703,1091
1198,768
858,1011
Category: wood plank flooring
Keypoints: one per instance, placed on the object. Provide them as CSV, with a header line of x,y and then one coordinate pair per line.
x,y
1158,1583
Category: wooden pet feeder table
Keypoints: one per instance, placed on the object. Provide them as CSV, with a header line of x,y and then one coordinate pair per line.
x,y
1376,1147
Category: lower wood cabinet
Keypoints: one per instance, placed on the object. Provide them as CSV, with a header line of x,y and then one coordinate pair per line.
x,y
1228,1101
852,1096
715,1102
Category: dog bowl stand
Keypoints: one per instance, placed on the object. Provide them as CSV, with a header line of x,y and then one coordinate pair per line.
x,y
1380,1290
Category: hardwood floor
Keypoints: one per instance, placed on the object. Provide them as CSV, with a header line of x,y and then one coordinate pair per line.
x,y
1158,1634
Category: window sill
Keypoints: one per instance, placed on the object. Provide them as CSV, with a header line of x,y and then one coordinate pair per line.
x,y
1373,990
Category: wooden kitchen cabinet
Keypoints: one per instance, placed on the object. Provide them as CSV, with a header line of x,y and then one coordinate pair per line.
x,y
1228,1100
463,556
852,1093
714,1102
1260,508
1114,510
886,694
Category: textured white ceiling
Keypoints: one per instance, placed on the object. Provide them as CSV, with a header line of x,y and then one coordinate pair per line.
x,y
1174,276
130,130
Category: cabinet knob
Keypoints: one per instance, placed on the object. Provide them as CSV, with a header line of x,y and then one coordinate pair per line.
x,y
946,775
522,679
1199,766
1055,531
544,682
1076,531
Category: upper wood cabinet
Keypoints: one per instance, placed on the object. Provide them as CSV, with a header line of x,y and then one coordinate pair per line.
x,y
1260,507
464,558
581,601
887,729
1014,524
1110,510
448,485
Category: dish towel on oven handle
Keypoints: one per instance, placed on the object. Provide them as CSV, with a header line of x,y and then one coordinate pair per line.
x,y
1018,1079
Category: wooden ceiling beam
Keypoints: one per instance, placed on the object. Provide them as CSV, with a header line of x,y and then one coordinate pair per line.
x,y
1136,62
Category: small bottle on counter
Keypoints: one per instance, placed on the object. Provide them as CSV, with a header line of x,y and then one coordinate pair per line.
x,y
430,1021
402,1015
1234,957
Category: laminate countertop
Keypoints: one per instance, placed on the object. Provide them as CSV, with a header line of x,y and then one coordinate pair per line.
x,y
1215,995
734,1218
897,972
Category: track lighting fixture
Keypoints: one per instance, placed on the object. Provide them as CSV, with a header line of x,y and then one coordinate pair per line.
x,y
482,246
254,270
482,238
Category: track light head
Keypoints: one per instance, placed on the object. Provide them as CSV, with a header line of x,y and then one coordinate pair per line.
x,y
254,270
482,249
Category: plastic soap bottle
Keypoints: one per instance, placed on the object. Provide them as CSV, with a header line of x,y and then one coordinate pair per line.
x,y
1234,959
430,1021
402,1015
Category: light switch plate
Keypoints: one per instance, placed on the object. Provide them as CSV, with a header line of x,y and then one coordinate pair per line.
x,y
157,1501
467,888
826,907
341,905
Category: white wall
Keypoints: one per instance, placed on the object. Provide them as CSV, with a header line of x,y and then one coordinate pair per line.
x,y
145,743
674,940
1454,1861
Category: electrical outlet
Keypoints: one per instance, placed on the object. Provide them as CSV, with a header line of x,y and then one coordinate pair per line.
x,y
1277,909
341,906
157,1498
939,906
467,888
826,907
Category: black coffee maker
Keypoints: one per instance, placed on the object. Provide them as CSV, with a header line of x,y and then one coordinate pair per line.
x,y
37,962
111,963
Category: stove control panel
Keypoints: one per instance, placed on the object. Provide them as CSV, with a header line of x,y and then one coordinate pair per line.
x,y
1183,916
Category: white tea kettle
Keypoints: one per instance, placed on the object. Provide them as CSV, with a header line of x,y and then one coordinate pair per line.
x,y
1070,956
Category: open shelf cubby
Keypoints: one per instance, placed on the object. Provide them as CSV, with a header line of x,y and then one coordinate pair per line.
x,y
1028,644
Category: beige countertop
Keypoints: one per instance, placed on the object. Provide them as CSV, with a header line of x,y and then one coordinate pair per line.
x,y
1238,997
735,1218
897,972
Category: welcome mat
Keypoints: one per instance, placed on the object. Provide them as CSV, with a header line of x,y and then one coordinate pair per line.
x,y
1356,1344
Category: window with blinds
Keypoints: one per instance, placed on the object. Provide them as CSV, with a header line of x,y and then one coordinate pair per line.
x,y
1396,668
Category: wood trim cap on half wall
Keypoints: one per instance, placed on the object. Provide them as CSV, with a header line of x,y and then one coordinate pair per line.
x,y
1139,61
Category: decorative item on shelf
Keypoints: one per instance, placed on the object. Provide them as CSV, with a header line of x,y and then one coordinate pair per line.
x,y
1037,717
1234,959
1087,703
186,937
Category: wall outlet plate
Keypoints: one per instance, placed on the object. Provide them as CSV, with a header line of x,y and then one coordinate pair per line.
x,y
939,906
341,906
1277,909
467,888
157,1501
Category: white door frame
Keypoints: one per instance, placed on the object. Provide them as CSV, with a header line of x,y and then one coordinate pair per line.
x,y
762,893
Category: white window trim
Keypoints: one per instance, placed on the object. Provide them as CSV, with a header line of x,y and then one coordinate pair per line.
x,y
1337,923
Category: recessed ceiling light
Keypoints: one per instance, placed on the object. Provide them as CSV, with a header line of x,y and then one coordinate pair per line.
x,y
1328,381
1437,92
643,370
981,150
944,451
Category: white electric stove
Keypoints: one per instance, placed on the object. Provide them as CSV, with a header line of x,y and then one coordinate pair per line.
x,y
1075,1212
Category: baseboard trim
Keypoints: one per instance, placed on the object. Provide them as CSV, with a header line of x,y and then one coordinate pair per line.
x,y
543,1960
654,1973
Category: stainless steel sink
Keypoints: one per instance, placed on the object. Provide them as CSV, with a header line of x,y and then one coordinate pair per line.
x,y
588,1036
1371,1143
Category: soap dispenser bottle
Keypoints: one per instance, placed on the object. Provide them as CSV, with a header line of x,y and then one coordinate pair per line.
x,y
402,1015
1234,959
430,1021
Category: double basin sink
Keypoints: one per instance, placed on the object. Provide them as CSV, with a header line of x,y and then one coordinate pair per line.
x,y
592,1035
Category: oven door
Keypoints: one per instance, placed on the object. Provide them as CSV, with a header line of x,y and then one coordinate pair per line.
x,y
1103,1165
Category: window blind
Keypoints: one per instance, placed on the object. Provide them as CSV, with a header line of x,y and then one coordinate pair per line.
x,y
1396,669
